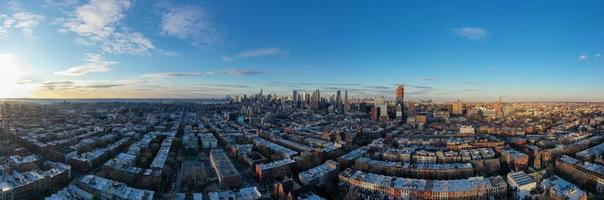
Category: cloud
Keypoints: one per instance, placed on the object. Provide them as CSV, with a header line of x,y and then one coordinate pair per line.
x,y
52,85
474,83
228,85
94,63
378,87
261,52
255,53
25,82
24,22
418,93
583,57
99,22
242,72
227,58
14,5
472,33
421,87
230,72
428,79
472,90
173,74
190,23
597,55
61,4
74,85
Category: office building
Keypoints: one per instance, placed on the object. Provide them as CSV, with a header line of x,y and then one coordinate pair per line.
x,y
315,100
457,108
400,94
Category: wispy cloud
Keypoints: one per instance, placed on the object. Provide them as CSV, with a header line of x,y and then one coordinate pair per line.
x,y
421,87
472,33
99,22
61,4
72,85
428,79
241,72
227,58
472,90
378,87
94,63
474,83
25,22
14,5
586,57
190,23
173,74
230,72
261,52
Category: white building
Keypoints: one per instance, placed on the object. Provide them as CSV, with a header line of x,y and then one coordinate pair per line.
x,y
523,182
467,130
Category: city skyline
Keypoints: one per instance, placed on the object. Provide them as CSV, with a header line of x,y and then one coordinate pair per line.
x,y
471,51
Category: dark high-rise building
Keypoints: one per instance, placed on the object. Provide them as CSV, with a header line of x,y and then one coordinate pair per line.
x,y
339,102
315,100
295,99
346,104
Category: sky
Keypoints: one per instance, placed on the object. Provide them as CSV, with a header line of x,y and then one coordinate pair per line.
x,y
441,50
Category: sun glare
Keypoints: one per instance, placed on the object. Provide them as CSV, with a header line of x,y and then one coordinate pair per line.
x,y
11,72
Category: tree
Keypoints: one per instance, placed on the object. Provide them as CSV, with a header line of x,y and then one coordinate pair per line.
x,y
96,196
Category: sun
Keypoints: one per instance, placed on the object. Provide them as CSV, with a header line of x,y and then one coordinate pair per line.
x,y
11,72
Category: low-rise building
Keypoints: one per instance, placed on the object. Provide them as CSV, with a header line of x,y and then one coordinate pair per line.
x,y
319,174
208,141
516,160
247,193
228,176
557,188
375,186
585,174
109,189
522,182
276,169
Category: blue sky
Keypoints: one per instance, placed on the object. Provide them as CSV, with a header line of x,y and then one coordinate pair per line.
x,y
442,50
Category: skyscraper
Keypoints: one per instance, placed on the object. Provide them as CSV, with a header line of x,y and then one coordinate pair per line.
x,y
411,108
399,111
381,107
305,99
346,105
379,100
457,108
315,100
498,108
400,94
339,102
295,99
400,104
